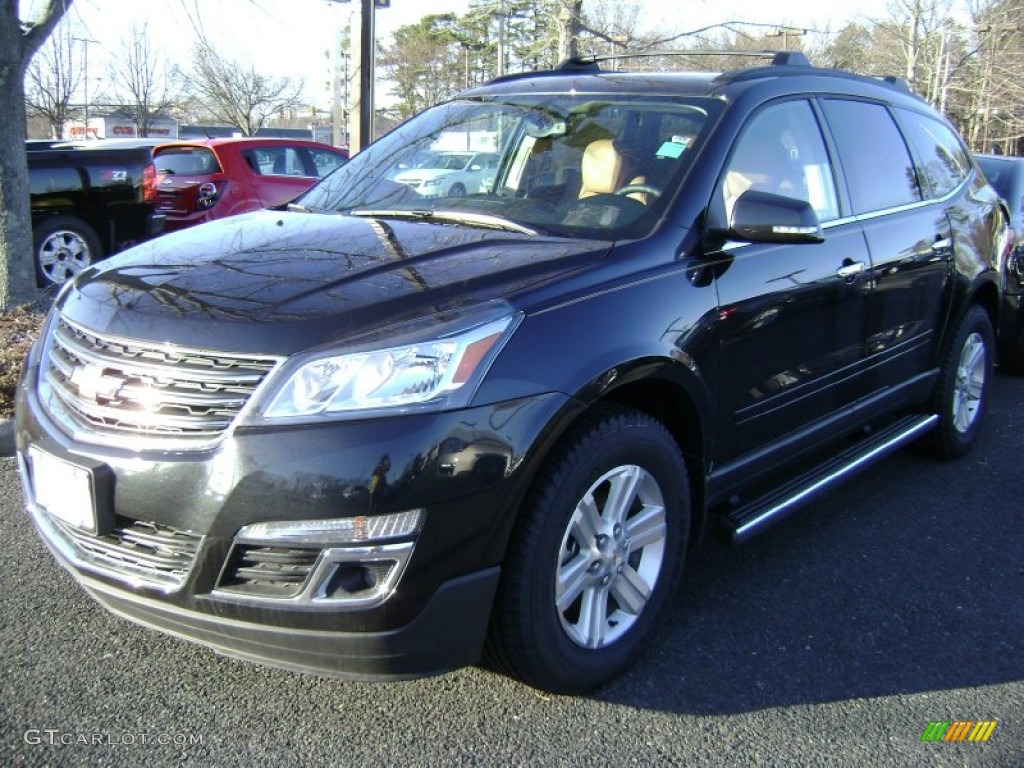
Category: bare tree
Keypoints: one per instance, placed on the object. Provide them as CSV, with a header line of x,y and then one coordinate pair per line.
x,y
19,40
993,112
53,78
238,94
146,87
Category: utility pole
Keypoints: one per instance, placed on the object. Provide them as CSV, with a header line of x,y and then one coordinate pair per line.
x,y
85,88
335,86
364,52
367,55
785,33
502,15
467,47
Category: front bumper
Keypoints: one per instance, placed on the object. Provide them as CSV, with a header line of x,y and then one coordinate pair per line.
x,y
466,475
448,633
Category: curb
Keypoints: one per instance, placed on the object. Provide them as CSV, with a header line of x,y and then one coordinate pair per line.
x,y
6,437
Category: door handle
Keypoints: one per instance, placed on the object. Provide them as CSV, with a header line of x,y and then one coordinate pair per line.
x,y
942,245
851,269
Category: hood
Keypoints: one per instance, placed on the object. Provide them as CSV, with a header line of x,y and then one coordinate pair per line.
x,y
276,282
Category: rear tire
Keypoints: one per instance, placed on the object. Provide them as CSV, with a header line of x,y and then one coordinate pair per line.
x,y
962,391
64,246
595,556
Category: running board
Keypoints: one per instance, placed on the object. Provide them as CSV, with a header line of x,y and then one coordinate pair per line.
x,y
747,521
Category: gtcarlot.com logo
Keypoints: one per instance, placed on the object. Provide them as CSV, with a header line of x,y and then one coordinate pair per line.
x,y
959,730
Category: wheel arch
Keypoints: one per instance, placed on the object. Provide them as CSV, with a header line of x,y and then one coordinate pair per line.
x,y
654,387
986,295
672,404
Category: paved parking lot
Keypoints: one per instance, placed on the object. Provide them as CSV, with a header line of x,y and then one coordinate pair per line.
x,y
832,640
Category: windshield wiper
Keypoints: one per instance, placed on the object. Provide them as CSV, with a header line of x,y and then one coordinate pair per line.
x,y
484,220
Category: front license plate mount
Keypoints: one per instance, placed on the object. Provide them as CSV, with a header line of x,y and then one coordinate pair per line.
x,y
77,492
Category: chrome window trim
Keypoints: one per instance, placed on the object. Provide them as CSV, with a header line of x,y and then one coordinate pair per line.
x,y
735,245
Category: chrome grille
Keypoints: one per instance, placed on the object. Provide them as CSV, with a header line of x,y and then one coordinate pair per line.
x,y
141,551
119,386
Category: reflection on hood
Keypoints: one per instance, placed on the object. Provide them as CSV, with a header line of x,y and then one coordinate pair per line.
x,y
334,276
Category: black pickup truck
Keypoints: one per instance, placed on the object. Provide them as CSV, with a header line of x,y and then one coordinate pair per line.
x,y
88,201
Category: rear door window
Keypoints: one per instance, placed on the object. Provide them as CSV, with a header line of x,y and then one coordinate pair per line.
x,y
879,171
278,161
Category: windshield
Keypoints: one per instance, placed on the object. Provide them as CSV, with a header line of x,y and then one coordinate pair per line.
x,y
583,165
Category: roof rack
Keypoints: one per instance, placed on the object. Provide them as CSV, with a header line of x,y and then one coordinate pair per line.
x,y
589,63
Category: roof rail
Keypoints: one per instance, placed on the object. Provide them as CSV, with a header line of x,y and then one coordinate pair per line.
x,y
899,82
778,58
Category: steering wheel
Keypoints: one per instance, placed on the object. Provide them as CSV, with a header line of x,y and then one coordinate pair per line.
x,y
646,189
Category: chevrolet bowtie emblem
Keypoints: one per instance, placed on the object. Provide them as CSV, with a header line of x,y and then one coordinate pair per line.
x,y
92,383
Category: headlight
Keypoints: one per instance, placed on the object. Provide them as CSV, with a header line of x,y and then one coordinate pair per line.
x,y
436,373
432,182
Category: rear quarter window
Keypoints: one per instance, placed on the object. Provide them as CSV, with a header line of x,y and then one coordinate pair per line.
x,y
325,162
944,162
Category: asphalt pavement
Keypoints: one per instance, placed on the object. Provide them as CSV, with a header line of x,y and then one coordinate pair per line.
x,y
835,639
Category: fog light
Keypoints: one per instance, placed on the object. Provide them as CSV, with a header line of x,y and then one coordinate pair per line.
x,y
343,530
349,563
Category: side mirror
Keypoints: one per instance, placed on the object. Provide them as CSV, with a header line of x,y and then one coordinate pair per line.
x,y
764,217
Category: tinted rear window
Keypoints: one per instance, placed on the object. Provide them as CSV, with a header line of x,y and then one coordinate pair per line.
x,y
944,161
186,161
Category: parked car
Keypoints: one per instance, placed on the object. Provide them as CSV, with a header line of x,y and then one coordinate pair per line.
x,y
1006,175
371,435
213,178
88,200
449,174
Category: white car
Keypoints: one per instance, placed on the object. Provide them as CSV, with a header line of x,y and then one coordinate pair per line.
x,y
450,174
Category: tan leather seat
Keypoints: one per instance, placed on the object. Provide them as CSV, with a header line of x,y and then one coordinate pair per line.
x,y
605,170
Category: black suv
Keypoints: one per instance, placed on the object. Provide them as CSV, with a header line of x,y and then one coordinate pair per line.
x,y
378,433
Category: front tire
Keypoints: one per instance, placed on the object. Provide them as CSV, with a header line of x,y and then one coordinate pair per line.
x,y
962,391
595,556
